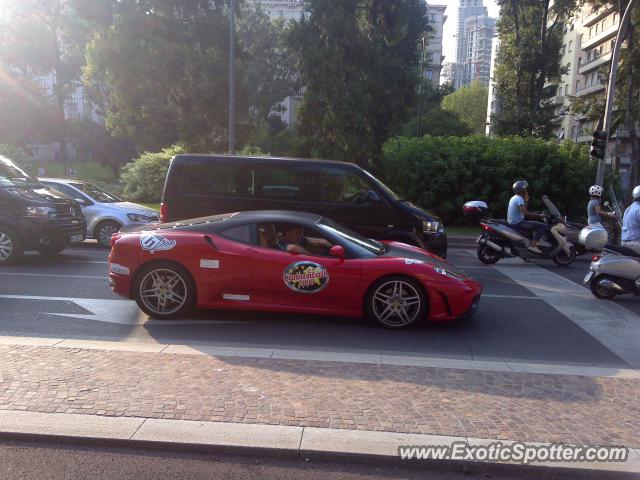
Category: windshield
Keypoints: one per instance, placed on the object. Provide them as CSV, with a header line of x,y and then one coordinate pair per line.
x,y
96,193
12,175
371,246
382,186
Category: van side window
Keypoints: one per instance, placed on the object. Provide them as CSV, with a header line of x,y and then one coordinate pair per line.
x,y
342,186
217,179
285,182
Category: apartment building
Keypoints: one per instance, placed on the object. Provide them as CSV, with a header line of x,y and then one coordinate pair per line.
x,y
432,69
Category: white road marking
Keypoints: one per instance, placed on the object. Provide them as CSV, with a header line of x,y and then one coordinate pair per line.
x,y
521,297
122,312
612,325
88,277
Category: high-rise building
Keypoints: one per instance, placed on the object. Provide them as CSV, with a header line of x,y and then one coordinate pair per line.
x,y
433,51
475,31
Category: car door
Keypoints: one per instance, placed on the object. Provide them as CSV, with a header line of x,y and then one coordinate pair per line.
x,y
305,282
351,200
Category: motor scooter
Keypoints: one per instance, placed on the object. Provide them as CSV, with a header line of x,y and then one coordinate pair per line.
x,y
615,272
500,240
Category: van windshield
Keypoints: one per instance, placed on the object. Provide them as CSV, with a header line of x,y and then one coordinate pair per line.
x,y
11,175
382,186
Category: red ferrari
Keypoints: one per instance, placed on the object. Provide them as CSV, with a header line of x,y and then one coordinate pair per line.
x,y
287,262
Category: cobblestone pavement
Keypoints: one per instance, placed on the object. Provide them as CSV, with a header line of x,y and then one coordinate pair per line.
x,y
486,404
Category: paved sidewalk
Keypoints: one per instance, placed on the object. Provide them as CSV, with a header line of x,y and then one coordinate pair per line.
x,y
529,407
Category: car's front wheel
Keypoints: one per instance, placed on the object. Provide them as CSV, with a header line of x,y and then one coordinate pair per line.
x,y
10,246
396,302
103,232
165,290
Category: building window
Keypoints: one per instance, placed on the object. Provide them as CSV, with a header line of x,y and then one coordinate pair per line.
x,y
430,58
570,46
433,18
429,74
577,85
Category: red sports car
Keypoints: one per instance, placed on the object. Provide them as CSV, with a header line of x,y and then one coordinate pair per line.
x,y
287,262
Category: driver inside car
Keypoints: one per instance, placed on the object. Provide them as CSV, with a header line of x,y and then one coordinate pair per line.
x,y
294,241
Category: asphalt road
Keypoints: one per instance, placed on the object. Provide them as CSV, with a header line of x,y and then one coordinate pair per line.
x,y
37,461
67,296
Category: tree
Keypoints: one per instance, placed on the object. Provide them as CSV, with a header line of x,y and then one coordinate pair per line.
x,y
161,71
358,63
45,37
528,59
470,104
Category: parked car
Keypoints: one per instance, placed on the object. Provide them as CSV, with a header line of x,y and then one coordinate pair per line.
x,y
285,262
34,217
200,185
104,211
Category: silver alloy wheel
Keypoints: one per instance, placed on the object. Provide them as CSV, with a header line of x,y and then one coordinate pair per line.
x,y
163,291
105,232
396,303
6,246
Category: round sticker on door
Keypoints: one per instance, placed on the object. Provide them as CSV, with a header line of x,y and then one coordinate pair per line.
x,y
305,277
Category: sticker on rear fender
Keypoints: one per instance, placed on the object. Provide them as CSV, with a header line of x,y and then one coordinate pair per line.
x,y
154,243
305,277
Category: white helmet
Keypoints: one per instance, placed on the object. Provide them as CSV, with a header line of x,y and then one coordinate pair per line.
x,y
596,191
636,193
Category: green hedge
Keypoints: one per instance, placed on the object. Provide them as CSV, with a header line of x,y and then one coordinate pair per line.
x,y
143,179
441,173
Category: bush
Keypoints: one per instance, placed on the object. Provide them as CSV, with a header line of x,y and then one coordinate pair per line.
x,y
143,179
441,173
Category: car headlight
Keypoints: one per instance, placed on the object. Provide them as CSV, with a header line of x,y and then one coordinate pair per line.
x,y
447,273
39,211
138,218
432,226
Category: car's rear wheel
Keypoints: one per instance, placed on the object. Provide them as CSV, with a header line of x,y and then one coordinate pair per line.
x,y
165,290
103,232
396,302
10,246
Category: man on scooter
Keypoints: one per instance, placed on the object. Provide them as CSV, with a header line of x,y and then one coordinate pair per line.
x,y
631,223
518,212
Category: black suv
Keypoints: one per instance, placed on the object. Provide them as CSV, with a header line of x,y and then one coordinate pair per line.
x,y
200,185
33,217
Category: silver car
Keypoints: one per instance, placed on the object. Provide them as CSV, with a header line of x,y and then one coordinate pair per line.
x,y
105,213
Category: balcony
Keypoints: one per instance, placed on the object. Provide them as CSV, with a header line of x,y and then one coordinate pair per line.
x,y
590,89
557,100
606,34
594,63
598,15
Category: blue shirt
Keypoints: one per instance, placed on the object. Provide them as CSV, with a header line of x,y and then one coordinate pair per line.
x,y
514,215
594,217
631,223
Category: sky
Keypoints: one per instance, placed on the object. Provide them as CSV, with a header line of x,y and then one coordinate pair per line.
x,y
449,40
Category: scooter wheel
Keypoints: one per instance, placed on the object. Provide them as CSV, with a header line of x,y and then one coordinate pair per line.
x,y
600,291
564,260
487,255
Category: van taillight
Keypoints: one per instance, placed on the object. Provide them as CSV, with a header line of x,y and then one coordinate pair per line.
x,y
163,212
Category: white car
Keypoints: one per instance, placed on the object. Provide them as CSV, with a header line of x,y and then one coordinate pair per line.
x,y
105,212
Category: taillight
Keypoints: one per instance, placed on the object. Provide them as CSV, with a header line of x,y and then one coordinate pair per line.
x,y
595,258
163,212
485,227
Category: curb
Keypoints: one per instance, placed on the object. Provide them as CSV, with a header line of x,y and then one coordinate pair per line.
x,y
323,444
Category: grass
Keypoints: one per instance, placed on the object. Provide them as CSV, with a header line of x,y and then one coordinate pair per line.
x,y
462,231
155,206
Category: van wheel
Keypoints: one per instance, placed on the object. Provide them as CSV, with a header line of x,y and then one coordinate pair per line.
x,y
50,249
103,232
164,290
11,248
396,302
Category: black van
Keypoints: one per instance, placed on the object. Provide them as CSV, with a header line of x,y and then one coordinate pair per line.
x,y
199,185
33,217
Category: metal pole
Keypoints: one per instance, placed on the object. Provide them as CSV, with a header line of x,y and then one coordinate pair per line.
x,y
421,88
611,88
232,77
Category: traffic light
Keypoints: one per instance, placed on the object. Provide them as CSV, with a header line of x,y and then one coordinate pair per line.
x,y
598,144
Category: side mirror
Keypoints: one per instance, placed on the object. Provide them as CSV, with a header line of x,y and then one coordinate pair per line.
x,y
373,197
337,251
607,204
